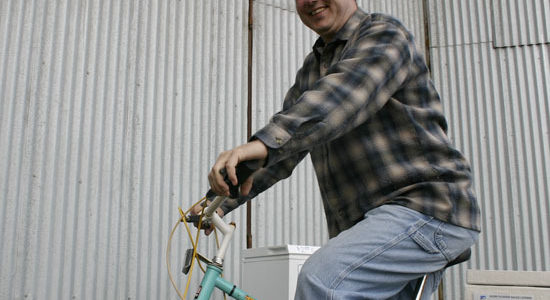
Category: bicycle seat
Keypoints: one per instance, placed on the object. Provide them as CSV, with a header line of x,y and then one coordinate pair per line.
x,y
462,257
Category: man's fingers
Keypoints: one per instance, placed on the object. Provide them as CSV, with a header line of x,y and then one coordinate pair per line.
x,y
247,186
230,167
195,210
228,160
216,178
223,188
207,227
216,182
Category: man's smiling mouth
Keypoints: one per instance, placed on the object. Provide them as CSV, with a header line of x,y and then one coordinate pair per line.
x,y
317,11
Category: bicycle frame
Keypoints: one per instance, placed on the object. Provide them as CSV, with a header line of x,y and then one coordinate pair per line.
x,y
212,278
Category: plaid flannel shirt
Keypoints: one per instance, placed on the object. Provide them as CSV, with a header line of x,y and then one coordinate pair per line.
x,y
365,109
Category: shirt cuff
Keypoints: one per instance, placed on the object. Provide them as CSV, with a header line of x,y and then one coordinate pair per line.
x,y
274,137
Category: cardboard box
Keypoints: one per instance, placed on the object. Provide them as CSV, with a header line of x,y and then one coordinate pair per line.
x,y
507,285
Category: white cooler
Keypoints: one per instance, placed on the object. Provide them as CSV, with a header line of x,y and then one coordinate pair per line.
x,y
270,273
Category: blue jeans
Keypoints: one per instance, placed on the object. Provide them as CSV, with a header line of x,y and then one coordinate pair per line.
x,y
383,256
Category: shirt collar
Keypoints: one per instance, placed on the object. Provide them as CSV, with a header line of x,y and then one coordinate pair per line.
x,y
343,34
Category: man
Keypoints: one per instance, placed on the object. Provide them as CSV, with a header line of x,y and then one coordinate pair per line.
x,y
397,195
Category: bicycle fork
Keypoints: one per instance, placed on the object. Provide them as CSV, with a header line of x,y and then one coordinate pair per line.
x,y
212,278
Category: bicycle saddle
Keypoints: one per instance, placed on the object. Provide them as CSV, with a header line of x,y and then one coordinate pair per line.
x,y
462,257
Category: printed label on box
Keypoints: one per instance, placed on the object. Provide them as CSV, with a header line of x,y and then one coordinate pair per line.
x,y
485,296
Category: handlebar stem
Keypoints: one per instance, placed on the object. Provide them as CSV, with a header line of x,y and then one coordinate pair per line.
x,y
226,229
210,209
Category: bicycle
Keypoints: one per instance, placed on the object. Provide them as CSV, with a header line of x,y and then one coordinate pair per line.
x,y
212,277
213,274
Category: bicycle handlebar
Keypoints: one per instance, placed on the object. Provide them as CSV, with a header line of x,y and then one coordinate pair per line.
x,y
243,170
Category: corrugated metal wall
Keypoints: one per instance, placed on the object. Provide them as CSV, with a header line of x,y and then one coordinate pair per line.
x,y
291,212
111,113
497,100
520,22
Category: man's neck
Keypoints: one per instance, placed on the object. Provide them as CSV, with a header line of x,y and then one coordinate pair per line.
x,y
330,38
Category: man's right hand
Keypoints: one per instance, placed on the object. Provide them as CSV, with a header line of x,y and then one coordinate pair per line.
x,y
228,161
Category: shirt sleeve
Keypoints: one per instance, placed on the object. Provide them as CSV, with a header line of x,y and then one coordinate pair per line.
x,y
369,72
268,176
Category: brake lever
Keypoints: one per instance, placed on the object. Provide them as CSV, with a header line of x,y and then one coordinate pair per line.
x,y
195,219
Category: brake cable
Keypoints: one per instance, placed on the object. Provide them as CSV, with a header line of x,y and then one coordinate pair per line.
x,y
194,244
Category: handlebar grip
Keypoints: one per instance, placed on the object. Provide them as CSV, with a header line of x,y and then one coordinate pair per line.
x,y
243,170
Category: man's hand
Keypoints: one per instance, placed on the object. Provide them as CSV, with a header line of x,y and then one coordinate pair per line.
x,y
197,209
228,160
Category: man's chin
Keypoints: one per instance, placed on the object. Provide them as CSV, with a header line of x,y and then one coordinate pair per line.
x,y
320,29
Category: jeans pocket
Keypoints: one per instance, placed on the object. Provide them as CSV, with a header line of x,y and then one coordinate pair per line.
x,y
424,243
453,240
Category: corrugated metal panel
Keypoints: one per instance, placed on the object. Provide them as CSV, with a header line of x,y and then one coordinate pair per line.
x,y
497,102
519,23
291,212
111,113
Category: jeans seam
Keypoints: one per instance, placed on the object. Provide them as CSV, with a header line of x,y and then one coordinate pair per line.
x,y
352,267
440,242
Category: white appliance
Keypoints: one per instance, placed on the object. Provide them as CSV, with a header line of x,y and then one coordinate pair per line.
x,y
270,273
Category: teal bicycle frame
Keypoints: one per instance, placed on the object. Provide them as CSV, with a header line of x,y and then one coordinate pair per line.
x,y
212,278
